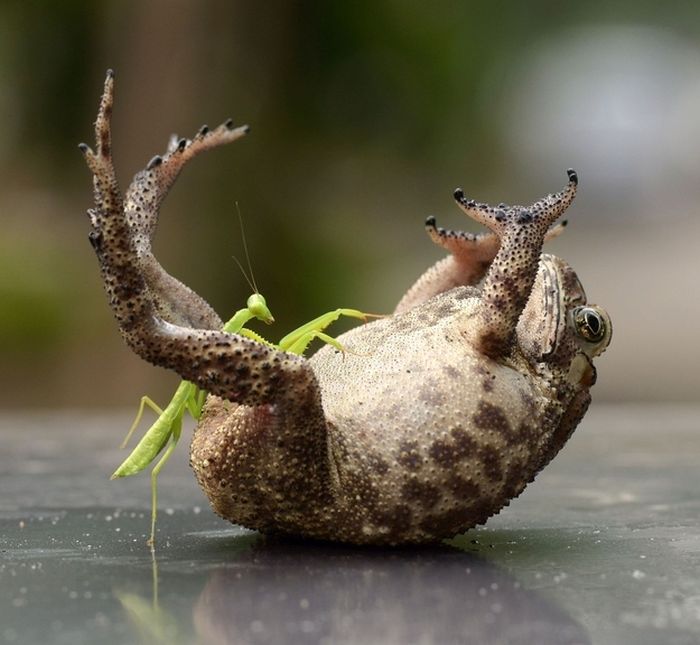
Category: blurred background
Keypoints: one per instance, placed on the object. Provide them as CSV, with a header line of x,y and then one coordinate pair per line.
x,y
365,116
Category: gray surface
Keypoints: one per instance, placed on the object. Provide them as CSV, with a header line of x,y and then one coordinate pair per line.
x,y
604,548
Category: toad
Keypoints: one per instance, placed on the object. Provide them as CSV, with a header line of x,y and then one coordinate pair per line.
x,y
433,419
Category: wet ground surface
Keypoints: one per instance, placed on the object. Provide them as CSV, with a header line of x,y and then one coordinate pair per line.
x,y
603,548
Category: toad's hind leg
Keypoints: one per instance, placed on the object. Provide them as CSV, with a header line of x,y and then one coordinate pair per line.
x,y
175,301
508,282
152,322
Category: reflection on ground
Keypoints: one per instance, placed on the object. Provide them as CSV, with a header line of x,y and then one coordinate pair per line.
x,y
308,593
230,586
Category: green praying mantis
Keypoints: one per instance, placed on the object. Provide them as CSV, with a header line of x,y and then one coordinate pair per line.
x,y
167,429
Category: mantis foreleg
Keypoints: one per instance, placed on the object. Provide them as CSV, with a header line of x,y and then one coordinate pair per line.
x,y
299,346
298,340
249,333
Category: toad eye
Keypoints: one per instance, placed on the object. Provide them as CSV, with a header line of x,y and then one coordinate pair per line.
x,y
590,325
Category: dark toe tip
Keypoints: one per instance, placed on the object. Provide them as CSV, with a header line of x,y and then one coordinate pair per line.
x,y
83,147
95,238
458,194
573,176
229,124
110,73
154,163
565,222
430,222
246,129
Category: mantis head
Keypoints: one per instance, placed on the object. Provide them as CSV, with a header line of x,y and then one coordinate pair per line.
x,y
258,307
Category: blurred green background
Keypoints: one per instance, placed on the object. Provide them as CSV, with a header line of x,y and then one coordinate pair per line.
x,y
365,116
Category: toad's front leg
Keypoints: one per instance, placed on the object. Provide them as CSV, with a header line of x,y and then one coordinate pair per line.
x,y
468,262
280,429
507,285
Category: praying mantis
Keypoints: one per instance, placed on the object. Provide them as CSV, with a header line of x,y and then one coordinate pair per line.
x,y
167,428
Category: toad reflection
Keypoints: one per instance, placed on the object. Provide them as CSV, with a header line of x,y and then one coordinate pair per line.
x,y
288,592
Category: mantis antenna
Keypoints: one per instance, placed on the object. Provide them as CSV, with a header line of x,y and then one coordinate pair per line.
x,y
250,280
245,275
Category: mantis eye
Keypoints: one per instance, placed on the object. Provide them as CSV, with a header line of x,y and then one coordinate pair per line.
x,y
590,324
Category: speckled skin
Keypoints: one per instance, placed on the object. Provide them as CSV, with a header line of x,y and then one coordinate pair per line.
x,y
435,418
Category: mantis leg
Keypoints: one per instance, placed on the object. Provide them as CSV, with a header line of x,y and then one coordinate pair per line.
x,y
201,398
195,401
145,401
300,345
249,333
174,438
292,339
157,435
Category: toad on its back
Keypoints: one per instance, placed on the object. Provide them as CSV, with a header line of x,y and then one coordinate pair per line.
x,y
431,422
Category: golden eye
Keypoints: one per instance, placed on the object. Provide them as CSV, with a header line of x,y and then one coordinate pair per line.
x,y
590,325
